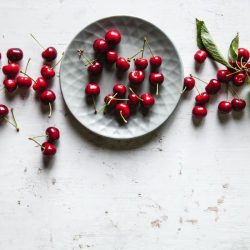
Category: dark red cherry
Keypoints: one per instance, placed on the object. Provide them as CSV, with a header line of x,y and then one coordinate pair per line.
x,y
156,78
243,54
225,107
202,98
47,96
147,100
119,89
133,100
224,75
155,61
53,134
100,45
199,111
200,56
113,37
110,100
239,79
48,149
123,111
15,54
213,87
47,72
11,70
111,56
136,77
141,63
122,64
4,111
189,83
238,104
92,89
95,68
23,81
49,54
40,84
10,85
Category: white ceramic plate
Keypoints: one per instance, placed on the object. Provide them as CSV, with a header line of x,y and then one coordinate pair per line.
x,y
74,77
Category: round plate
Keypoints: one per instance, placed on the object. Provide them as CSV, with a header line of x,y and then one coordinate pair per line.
x,y
74,77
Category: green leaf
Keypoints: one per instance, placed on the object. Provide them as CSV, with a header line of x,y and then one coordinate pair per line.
x,y
233,49
211,47
199,24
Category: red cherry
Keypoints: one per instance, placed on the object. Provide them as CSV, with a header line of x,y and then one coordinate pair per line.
x,y
123,111
47,72
11,70
10,85
224,75
239,79
119,89
111,56
225,107
15,54
238,104
189,83
202,98
47,96
53,134
40,84
110,100
213,87
4,111
122,64
141,63
92,89
156,78
147,100
136,77
133,100
199,111
113,37
95,68
100,45
247,65
243,54
155,61
49,54
200,56
48,149
24,81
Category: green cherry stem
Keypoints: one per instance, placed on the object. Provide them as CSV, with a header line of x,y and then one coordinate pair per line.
x,y
58,61
50,110
143,47
135,94
123,117
146,41
82,55
129,58
27,65
14,119
27,75
32,139
197,78
37,41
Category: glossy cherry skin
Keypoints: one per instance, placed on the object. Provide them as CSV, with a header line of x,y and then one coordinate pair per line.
x,y
47,72
133,100
123,108
113,37
122,64
136,77
119,89
247,65
199,111
225,107
11,70
202,98
189,83
48,149
110,100
100,45
155,61
141,63
239,79
3,110
40,84
200,56
95,68
53,134
92,89
111,56
156,78
238,104
49,54
213,87
23,82
147,100
10,85
243,54
224,75
47,96
15,54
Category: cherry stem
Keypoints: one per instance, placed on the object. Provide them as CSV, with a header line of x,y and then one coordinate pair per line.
x,y
37,41
135,94
38,136
32,139
58,61
93,100
111,98
11,123
26,67
129,58
234,91
27,75
14,119
198,79
183,90
143,47
50,110
197,89
235,72
102,108
123,117
146,41
81,54
157,89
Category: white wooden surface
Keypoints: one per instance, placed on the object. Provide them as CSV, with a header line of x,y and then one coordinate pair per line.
x,y
185,187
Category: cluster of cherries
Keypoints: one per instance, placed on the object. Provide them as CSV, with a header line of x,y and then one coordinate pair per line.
x,y
237,76
105,51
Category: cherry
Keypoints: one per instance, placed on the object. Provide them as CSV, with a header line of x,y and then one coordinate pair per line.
x,y
40,84
113,37
100,45
4,111
11,70
47,72
24,81
133,100
119,89
15,54
200,56
53,134
238,104
155,61
155,79
10,85
110,100
239,79
188,83
247,65
95,68
122,64
92,90
136,77
147,100
243,54
141,63
48,97
202,98
213,87
111,56
225,107
199,111
48,149
224,75
123,111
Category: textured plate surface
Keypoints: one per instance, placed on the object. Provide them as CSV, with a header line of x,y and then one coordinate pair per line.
x,y
74,77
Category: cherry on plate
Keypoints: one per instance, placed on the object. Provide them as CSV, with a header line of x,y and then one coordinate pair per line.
x,y
100,45
136,77
147,100
113,37
111,56
123,111
141,63
119,89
